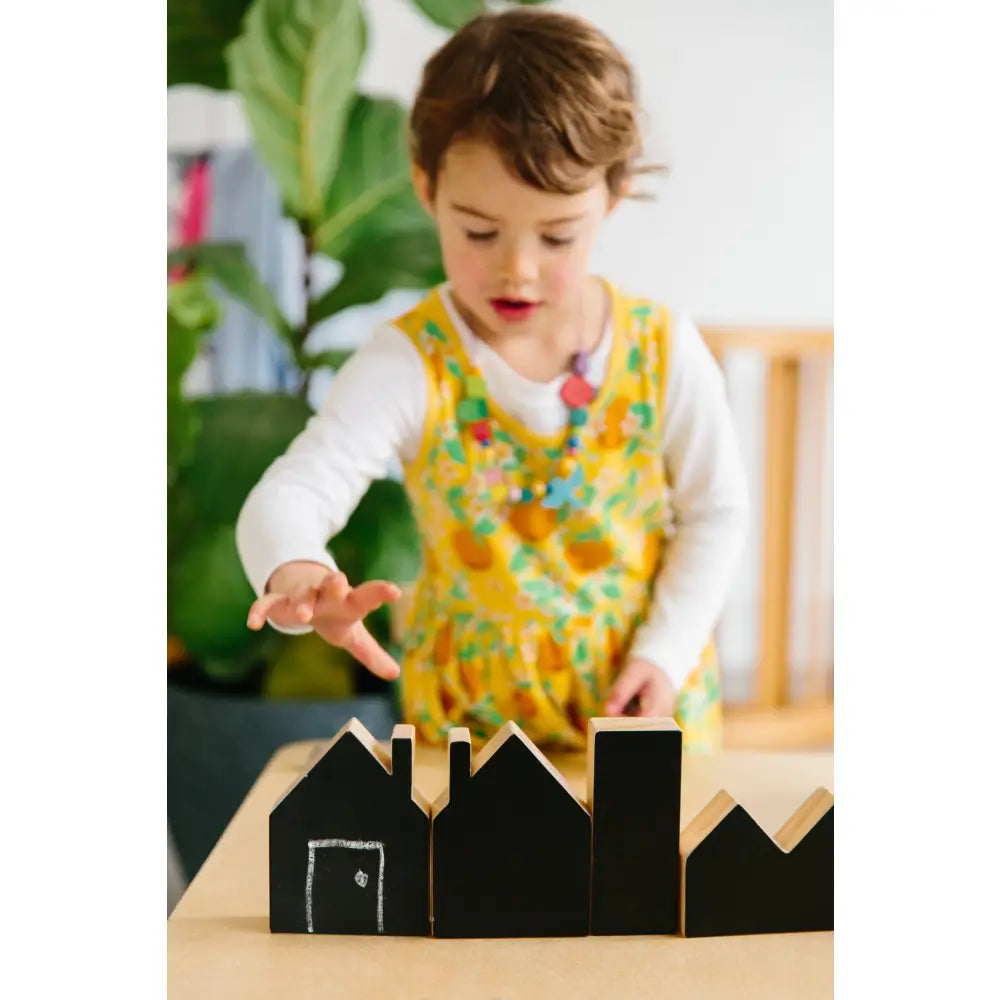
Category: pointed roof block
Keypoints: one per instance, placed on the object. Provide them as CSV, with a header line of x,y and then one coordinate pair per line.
x,y
355,731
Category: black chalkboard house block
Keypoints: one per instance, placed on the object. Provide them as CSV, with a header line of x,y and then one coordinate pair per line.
x,y
510,844
735,879
350,842
634,791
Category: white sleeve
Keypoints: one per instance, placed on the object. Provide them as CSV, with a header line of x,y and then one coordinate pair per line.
x,y
373,412
710,500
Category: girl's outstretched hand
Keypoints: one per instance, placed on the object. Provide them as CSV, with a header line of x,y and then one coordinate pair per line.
x,y
644,685
308,593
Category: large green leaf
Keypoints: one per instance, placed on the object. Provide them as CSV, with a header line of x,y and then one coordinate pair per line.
x,y
294,65
379,542
197,33
228,264
208,596
372,187
454,13
182,422
374,225
325,359
405,260
191,304
191,311
241,434
451,13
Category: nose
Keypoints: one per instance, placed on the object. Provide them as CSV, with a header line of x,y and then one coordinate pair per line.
x,y
518,264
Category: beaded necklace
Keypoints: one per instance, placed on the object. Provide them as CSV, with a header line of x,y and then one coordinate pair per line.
x,y
564,489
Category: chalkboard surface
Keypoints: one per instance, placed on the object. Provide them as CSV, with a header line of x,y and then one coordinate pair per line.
x,y
349,843
634,790
510,844
738,880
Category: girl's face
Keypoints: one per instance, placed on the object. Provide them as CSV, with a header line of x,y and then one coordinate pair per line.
x,y
516,257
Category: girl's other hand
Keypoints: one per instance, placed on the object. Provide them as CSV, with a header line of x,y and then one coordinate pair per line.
x,y
646,685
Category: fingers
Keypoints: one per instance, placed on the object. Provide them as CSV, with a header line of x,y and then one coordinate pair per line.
x,y
302,600
334,587
294,608
630,683
339,602
261,609
365,599
332,600
363,647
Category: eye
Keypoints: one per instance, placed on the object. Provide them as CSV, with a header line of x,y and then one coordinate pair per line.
x,y
555,241
480,237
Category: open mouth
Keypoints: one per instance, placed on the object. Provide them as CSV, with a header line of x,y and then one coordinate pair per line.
x,y
513,308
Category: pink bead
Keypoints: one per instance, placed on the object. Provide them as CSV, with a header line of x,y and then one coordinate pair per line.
x,y
576,392
514,494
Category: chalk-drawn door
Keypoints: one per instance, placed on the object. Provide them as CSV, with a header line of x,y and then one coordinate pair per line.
x,y
344,886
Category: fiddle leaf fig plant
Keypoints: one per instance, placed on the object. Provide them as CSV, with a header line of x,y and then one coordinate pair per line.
x,y
340,161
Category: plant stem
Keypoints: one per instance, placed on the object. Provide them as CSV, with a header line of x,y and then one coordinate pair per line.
x,y
302,334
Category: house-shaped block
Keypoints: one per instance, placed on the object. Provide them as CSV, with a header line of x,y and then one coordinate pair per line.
x,y
735,879
350,842
634,791
510,844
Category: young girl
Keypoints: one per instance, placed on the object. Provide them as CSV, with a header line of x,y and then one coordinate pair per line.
x,y
566,447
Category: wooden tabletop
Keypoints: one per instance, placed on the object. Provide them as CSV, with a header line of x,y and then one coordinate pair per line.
x,y
219,945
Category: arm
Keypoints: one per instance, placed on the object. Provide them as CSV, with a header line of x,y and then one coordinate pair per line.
x,y
711,503
374,411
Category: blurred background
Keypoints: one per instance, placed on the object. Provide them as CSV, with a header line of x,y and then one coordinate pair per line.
x,y
276,273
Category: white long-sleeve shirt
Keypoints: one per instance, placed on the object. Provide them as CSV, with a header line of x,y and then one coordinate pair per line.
x,y
374,413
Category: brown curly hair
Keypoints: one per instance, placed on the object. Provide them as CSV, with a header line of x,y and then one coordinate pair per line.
x,y
551,93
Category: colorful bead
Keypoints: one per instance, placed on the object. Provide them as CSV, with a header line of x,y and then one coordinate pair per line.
x,y
475,387
576,392
513,494
541,489
472,410
580,362
566,491
572,441
577,417
481,431
526,494
566,466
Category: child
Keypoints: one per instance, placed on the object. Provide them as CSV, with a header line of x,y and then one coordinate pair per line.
x,y
546,422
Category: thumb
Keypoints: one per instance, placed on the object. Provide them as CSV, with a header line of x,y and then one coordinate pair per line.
x,y
630,681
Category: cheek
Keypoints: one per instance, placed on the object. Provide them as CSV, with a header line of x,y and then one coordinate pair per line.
x,y
566,273
465,267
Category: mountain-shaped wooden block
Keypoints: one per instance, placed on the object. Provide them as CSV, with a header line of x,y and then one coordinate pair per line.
x,y
350,842
510,844
634,791
735,879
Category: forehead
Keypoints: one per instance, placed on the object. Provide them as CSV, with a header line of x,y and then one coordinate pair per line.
x,y
472,173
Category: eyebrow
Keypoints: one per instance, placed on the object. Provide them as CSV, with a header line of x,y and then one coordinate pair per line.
x,y
469,210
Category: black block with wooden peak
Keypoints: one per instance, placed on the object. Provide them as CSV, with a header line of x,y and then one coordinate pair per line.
x,y
634,791
350,842
735,879
510,843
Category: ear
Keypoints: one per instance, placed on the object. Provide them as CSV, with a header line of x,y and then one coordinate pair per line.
x,y
614,200
422,187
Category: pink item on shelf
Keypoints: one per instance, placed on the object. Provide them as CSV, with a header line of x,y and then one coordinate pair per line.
x,y
192,223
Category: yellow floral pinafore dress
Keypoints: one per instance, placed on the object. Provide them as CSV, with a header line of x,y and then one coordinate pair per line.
x,y
521,611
